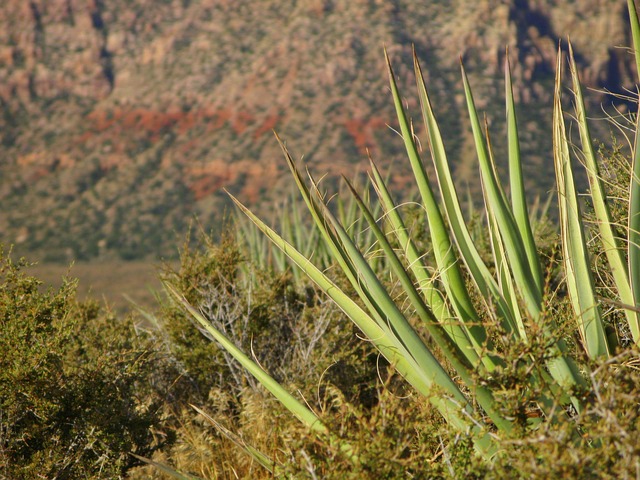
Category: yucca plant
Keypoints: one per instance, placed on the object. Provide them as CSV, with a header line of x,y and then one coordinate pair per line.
x,y
291,224
471,307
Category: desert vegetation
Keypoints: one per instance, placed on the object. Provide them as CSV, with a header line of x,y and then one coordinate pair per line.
x,y
357,335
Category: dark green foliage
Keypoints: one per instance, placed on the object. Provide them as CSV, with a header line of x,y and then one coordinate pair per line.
x,y
72,397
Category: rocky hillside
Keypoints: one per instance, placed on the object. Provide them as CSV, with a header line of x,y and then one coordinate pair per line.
x,y
123,119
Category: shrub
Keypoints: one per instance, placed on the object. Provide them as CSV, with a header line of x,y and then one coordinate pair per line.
x,y
74,399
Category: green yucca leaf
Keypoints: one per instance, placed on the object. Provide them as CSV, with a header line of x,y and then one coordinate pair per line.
x,y
516,183
356,225
456,347
336,248
505,275
634,190
576,259
362,319
529,287
289,228
393,317
563,369
634,229
609,241
348,214
444,252
635,32
380,334
432,295
302,412
306,238
470,255
462,354
254,242
432,381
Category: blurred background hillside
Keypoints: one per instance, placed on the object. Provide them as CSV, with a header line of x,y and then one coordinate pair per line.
x,y
122,120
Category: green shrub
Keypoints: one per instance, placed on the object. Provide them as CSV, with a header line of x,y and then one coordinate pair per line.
x,y
75,384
